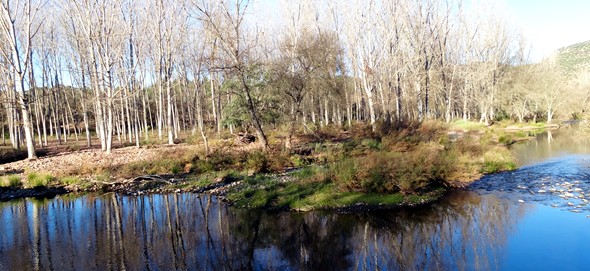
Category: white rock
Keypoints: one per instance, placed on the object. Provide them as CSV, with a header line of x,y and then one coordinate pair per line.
x,y
521,201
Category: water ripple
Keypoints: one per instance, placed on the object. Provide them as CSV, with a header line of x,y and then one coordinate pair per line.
x,y
562,182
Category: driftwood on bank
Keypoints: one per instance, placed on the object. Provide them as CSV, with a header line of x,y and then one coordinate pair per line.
x,y
138,179
155,178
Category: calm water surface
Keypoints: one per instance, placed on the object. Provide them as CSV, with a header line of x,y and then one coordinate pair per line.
x,y
502,222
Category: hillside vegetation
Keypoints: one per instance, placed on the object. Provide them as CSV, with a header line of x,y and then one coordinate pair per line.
x,y
574,58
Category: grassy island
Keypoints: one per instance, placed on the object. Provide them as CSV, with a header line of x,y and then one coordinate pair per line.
x,y
407,165
331,168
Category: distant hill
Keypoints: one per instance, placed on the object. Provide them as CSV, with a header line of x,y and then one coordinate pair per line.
x,y
575,57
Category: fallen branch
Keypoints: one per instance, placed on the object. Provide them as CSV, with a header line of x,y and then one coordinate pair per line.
x,y
156,178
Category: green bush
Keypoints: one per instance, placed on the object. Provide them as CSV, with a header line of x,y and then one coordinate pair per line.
x,y
278,161
376,179
222,160
257,162
343,173
505,139
203,166
11,181
36,180
390,172
175,168
14,181
49,178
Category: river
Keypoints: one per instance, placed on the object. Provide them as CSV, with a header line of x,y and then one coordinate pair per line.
x,y
534,218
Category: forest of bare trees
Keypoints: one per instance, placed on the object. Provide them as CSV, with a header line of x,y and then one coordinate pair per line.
x,y
130,70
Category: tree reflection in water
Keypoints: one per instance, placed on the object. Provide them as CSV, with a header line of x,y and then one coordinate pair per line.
x,y
182,231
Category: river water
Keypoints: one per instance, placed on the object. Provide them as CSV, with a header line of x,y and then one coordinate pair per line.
x,y
520,220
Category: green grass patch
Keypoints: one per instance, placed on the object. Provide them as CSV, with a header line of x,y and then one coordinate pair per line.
x,y
506,139
40,180
329,198
307,173
257,162
498,159
305,195
70,180
11,181
272,193
252,197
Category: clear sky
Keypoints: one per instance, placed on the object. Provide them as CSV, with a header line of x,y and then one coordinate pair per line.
x,y
551,24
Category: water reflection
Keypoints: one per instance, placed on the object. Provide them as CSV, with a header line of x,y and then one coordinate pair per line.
x,y
550,144
181,231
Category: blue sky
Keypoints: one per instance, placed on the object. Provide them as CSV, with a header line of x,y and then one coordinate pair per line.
x,y
551,24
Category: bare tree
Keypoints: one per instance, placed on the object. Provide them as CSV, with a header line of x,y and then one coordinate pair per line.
x,y
125,67
18,28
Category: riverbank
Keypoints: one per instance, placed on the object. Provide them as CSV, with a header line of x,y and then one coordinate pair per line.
x,y
411,165
329,169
